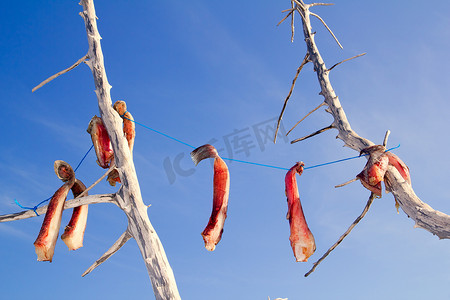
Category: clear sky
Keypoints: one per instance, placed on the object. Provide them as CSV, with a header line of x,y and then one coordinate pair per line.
x,y
218,72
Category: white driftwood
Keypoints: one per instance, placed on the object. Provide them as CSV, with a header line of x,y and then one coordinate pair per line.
x,y
424,216
129,196
92,199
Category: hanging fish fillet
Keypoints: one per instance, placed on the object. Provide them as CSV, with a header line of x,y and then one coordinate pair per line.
x,y
102,144
74,232
221,183
373,173
128,124
129,132
301,238
46,240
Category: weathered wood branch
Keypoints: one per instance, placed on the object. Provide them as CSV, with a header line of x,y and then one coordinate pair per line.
x,y
425,217
347,232
313,134
91,199
299,69
345,60
129,196
114,248
307,115
59,73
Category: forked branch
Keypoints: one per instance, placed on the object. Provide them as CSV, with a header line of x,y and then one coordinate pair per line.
x,y
425,217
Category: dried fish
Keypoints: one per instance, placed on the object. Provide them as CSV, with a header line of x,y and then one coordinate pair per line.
x,y
301,238
221,183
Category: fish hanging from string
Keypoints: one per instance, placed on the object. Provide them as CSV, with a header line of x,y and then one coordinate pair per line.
x,y
301,238
221,188
46,240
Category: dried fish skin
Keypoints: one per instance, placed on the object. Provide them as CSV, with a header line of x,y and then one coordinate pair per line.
x,y
74,231
212,234
101,142
48,235
302,240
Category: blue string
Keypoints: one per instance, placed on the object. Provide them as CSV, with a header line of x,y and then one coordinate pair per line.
x,y
43,201
163,134
257,164
32,208
344,159
79,164
247,162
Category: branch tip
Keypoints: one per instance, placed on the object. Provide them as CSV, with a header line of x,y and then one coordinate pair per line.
x,y
304,62
347,232
345,60
114,248
313,134
59,73
328,28
319,106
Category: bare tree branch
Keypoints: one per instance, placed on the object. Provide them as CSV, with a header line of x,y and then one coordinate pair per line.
x,y
114,248
304,62
129,196
328,28
292,21
425,217
335,65
91,199
366,209
285,17
345,183
59,73
320,4
319,106
313,134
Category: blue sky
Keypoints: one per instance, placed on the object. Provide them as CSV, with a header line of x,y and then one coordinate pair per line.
x,y
217,70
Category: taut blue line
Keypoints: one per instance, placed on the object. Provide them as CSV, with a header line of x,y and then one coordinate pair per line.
x,y
344,159
163,134
257,164
79,164
43,201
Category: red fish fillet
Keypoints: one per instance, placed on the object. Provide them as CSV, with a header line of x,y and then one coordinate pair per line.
x,y
373,173
301,238
213,231
46,240
102,144
128,124
74,232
